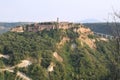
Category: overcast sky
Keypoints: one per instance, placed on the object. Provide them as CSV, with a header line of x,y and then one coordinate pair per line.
x,y
49,10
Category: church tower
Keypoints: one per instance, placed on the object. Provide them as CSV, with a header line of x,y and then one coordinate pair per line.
x,y
57,23
57,20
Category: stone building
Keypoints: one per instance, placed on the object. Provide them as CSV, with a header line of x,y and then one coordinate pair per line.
x,y
41,26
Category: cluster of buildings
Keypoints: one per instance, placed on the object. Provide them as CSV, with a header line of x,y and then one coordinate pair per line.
x,y
44,25
41,26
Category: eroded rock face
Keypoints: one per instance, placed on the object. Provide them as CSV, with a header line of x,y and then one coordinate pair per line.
x,y
51,67
88,41
62,42
18,29
24,63
57,57
83,36
84,32
22,76
4,56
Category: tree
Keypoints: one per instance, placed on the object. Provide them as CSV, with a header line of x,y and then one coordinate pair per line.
x,y
115,30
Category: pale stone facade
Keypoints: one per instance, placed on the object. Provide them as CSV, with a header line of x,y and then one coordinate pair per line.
x,y
41,26
17,29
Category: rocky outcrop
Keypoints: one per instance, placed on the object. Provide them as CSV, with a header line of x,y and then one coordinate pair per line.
x,y
62,42
22,76
84,32
4,56
51,67
57,57
24,63
17,29
88,41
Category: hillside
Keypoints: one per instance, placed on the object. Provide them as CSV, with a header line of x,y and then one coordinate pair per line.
x,y
96,27
105,28
73,53
5,26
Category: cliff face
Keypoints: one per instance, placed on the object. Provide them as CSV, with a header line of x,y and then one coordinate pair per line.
x,y
17,29
84,33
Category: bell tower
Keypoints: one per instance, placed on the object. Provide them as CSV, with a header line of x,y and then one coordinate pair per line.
x,y
57,23
57,20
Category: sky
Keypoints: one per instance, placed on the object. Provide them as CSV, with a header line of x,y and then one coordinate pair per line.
x,y
49,10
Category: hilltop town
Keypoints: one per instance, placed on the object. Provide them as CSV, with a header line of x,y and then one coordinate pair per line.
x,y
40,51
45,25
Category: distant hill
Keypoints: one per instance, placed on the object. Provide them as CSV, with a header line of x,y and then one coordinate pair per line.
x,y
5,26
104,28
96,27
90,21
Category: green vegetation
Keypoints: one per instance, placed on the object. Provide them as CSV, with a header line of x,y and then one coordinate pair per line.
x,y
105,28
80,63
6,25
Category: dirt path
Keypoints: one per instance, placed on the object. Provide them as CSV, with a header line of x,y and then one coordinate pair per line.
x,y
24,63
4,56
6,69
22,76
